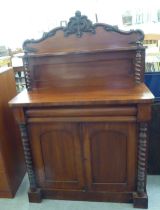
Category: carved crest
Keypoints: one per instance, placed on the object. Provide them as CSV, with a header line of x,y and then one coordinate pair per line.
x,y
79,24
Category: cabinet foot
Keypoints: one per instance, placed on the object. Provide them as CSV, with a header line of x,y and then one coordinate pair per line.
x,y
35,196
140,201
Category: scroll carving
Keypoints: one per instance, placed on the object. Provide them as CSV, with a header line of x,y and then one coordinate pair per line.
x,y
27,155
142,156
79,24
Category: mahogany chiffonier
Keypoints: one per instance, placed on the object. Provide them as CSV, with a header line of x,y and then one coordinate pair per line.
x,y
12,164
83,119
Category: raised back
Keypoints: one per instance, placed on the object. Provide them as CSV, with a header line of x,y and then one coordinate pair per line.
x,y
84,55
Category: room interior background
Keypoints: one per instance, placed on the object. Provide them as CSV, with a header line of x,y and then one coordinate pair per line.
x,y
22,19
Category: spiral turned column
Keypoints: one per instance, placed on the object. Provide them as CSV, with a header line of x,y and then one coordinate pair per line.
x,y
138,66
140,198
142,156
27,74
28,157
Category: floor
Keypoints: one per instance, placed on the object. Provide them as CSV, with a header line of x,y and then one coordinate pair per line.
x,y
20,202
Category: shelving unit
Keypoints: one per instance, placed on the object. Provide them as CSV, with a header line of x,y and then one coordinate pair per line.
x,y
152,42
20,78
152,70
19,72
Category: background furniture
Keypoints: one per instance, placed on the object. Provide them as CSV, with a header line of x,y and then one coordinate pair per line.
x,y
19,77
12,166
152,80
18,68
84,117
5,58
5,61
154,140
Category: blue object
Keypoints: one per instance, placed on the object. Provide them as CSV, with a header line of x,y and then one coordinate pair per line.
x,y
152,80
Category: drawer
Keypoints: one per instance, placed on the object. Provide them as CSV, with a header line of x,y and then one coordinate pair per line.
x,y
75,112
116,113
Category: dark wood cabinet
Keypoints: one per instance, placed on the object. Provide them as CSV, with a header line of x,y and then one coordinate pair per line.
x,y
83,118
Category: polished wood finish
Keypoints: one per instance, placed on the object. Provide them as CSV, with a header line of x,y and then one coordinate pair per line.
x,y
68,97
59,154
84,116
12,167
103,141
96,64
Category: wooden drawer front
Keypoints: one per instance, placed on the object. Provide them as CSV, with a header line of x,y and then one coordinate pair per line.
x,y
122,114
75,112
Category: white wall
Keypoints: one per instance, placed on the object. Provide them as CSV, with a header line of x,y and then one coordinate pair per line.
x,y
23,19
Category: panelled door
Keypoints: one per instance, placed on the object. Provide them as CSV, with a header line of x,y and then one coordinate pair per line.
x,y
110,156
95,156
57,155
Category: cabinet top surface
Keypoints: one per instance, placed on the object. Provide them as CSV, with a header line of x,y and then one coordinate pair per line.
x,y
137,94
